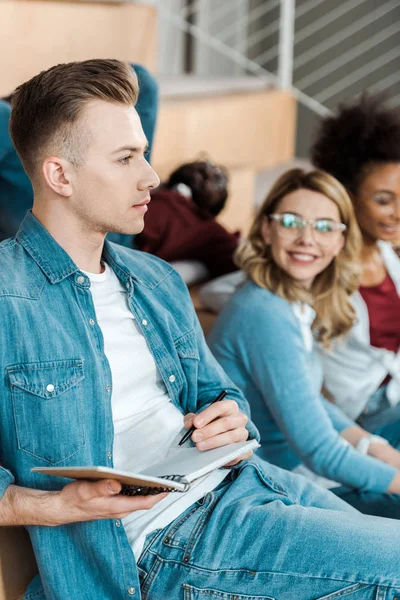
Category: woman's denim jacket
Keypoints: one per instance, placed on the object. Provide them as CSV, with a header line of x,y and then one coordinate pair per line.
x,y
56,384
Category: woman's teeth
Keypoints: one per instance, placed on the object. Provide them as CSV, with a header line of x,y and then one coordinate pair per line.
x,y
303,257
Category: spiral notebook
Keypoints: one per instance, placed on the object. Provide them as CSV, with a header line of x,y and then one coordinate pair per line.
x,y
175,473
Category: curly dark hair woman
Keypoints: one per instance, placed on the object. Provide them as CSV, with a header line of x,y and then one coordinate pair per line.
x,y
360,146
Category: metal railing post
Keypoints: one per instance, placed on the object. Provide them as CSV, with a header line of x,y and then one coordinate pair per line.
x,y
286,43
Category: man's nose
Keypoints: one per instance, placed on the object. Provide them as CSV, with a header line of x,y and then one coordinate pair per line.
x,y
149,180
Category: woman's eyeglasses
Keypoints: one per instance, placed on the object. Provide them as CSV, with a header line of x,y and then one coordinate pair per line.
x,y
290,226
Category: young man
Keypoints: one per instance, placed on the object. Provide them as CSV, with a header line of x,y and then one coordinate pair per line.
x,y
16,194
103,360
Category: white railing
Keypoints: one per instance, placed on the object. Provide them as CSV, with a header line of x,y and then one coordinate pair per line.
x,y
325,51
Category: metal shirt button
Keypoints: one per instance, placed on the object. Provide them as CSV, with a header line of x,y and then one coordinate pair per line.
x,y
171,378
50,387
80,279
91,322
144,322
118,523
108,388
131,591
109,455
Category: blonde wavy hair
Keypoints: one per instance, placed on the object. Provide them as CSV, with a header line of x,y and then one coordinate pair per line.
x,y
331,289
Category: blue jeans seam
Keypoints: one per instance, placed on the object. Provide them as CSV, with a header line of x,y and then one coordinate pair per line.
x,y
335,578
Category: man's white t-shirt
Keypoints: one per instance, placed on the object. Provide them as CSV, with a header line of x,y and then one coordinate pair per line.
x,y
146,423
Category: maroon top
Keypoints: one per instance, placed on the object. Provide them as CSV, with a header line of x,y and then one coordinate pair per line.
x,y
383,303
175,229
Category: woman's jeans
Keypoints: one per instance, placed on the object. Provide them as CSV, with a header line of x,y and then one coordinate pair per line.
x,y
266,533
378,413
379,505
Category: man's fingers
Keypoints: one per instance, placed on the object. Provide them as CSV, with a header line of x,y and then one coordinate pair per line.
x,y
229,437
124,505
188,420
218,409
221,425
238,460
106,487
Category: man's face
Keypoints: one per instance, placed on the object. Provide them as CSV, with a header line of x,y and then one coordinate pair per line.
x,y
111,189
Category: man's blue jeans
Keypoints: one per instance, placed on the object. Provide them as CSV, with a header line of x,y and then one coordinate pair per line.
x,y
253,538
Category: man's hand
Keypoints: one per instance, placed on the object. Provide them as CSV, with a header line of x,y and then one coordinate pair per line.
x,y
218,425
88,501
77,501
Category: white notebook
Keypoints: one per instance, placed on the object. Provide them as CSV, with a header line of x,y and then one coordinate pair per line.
x,y
176,472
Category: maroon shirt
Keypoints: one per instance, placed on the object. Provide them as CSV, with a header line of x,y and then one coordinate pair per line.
x,y
383,303
176,229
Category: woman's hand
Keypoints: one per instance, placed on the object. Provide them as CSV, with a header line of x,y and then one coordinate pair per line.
x,y
385,453
218,425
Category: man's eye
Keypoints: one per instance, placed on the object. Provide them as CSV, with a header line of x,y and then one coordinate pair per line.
x,y
125,160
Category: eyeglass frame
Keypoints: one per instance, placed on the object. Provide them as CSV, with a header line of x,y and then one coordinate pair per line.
x,y
277,217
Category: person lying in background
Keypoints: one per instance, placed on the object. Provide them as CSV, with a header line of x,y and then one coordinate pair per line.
x,y
16,194
301,263
360,146
181,225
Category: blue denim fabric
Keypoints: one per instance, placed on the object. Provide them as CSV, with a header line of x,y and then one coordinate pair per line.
x,y
16,194
268,534
49,335
378,412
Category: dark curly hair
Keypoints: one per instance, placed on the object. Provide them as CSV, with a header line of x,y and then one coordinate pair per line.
x,y
360,135
208,183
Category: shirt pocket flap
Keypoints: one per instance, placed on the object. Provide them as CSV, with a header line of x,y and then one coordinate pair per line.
x,y
186,346
47,379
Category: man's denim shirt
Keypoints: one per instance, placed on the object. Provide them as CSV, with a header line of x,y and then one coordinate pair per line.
x,y
56,385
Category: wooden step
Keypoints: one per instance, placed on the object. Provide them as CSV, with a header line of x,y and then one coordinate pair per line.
x,y
239,210
17,562
36,34
254,129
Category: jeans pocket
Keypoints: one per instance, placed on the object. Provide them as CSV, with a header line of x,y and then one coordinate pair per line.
x,y
193,593
47,399
350,589
181,529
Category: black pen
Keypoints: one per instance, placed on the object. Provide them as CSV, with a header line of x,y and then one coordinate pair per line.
x,y
187,435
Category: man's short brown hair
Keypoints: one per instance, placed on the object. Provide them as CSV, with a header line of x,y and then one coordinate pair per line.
x,y
46,109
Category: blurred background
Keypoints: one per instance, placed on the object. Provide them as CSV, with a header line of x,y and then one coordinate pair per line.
x,y
243,82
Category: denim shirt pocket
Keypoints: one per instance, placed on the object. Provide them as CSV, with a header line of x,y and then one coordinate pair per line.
x,y
189,358
47,400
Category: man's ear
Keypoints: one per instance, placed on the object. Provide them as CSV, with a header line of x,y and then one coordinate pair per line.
x,y
57,173
266,230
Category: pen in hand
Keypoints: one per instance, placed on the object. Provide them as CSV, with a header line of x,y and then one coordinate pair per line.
x,y
187,435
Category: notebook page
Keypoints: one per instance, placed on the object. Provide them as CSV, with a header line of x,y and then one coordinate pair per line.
x,y
190,463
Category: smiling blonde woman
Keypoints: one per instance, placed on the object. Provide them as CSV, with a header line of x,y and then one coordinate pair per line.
x,y
329,288
301,268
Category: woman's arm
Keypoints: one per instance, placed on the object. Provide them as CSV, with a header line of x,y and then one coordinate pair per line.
x,y
269,347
